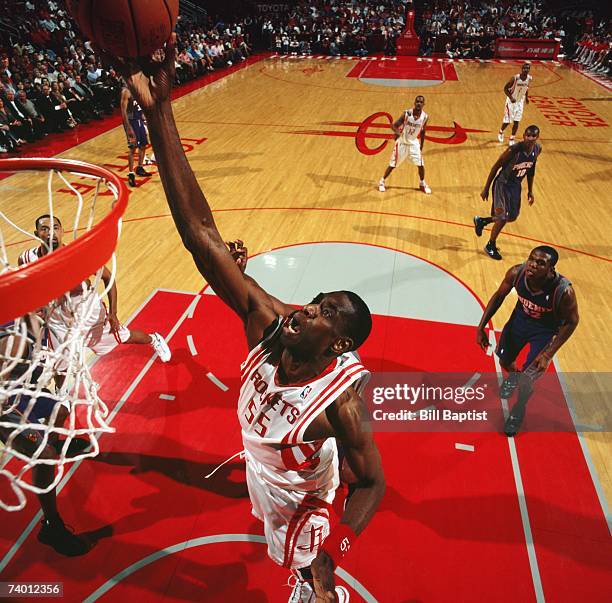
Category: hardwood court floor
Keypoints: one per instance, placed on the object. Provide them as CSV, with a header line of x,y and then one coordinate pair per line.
x,y
285,152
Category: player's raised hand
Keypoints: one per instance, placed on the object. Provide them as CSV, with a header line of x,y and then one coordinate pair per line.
x,y
149,78
485,194
322,569
239,252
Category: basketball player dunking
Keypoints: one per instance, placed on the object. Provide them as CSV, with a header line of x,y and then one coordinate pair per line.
x,y
517,94
507,174
545,316
409,131
300,381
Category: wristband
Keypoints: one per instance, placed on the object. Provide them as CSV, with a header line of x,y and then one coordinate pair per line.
x,y
339,542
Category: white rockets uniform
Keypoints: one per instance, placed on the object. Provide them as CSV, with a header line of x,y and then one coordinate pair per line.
x,y
96,327
514,111
408,144
291,482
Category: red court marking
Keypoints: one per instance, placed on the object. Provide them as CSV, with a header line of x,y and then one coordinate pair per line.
x,y
364,211
405,68
446,513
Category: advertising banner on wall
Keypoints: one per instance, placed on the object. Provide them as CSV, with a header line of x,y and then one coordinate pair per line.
x,y
526,48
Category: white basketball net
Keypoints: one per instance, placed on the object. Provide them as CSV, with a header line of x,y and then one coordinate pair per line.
x,y
31,367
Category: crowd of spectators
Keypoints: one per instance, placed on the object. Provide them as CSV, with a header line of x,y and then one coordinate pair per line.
x,y
468,28
336,27
594,48
51,80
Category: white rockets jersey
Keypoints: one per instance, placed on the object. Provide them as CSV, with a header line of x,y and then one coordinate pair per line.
x,y
519,87
412,127
29,256
274,417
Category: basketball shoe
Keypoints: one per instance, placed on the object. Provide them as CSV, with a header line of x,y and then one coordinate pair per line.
x,y
511,141
514,420
509,385
500,136
132,179
423,186
304,593
478,225
381,185
142,172
492,251
161,347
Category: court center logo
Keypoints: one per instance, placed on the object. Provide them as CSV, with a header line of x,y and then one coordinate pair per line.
x,y
377,127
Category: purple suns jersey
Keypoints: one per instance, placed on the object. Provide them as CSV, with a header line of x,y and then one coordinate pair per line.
x,y
539,308
521,163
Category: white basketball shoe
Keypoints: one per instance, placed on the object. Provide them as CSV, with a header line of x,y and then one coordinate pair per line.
x,y
425,188
500,137
304,593
161,347
381,185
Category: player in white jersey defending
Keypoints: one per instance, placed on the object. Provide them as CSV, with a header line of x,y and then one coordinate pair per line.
x,y
300,380
105,331
409,131
517,94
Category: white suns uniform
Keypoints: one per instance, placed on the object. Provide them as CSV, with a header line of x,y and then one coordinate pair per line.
x,y
291,482
408,145
514,111
98,336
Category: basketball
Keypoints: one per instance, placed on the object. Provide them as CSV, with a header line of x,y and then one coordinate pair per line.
x,y
126,28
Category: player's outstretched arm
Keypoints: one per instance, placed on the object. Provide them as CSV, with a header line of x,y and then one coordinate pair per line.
x,y
497,299
150,82
347,418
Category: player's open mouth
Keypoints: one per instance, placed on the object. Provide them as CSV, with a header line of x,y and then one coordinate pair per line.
x,y
293,326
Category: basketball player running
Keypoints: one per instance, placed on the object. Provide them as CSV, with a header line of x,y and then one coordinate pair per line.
x,y
409,131
517,94
545,316
136,132
507,174
300,380
105,331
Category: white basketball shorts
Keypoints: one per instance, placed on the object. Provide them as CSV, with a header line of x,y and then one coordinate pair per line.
x,y
296,521
98,337
406,150
513,111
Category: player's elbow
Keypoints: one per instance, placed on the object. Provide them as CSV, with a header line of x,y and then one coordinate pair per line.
x,y
198,239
